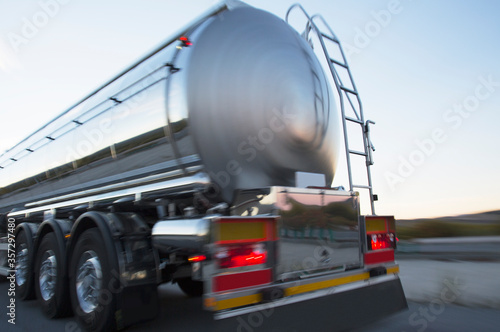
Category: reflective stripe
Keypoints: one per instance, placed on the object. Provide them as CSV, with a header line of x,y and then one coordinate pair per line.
x,y
326,284
393,269
238,301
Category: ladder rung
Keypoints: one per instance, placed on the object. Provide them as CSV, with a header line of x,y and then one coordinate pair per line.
x,y
353,120
349,90
359,153
362,186
329,38
339,63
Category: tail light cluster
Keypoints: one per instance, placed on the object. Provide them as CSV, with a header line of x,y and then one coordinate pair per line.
x,y
243,241
244,252
380,232
242,255
381,241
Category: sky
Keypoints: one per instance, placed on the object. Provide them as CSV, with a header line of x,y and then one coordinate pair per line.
x,y
428,73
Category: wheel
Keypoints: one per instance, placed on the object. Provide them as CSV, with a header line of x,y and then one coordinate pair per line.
x,y
24,270
90,273
191,287
51,284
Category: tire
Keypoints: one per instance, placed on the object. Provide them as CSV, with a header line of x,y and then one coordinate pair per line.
x,y
90,266
51,282
191,287
24,269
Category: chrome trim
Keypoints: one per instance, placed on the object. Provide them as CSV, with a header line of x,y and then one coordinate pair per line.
x,y
116,186
182,233
197,180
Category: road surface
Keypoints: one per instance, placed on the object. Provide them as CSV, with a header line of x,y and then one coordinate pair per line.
x,y
441,304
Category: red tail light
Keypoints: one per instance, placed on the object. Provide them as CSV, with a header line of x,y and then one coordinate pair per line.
x,y
196,258
185,41
251,254
381,241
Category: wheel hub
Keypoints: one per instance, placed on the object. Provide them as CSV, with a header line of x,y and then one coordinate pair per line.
x,y
48,275
88,281
22,264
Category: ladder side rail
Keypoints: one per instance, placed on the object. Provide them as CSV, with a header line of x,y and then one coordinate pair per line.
x,y
322,19
368,146
334,38
337,82
343,93
342,96
369,162
344,59
366,139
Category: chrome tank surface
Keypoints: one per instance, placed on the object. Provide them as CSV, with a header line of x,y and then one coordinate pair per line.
x,y
260,107
246,103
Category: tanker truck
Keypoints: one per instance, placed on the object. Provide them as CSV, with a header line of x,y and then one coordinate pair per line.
x,y
208,164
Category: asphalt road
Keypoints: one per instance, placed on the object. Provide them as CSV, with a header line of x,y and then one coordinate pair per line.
x,y
438,316
179,313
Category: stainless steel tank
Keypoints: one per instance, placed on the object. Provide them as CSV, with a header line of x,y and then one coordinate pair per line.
x,y
247,103
258,103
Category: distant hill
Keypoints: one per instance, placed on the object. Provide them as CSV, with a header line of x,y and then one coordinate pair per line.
x,y
477,224
490,217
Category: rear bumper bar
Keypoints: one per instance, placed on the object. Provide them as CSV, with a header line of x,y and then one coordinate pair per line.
x,y
340,308
236,303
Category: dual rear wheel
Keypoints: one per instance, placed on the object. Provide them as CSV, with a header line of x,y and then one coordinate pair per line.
x,y
24,271
83,292
51,284
91,283
86,282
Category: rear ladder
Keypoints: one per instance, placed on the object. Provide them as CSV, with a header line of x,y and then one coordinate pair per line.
x,y
349,99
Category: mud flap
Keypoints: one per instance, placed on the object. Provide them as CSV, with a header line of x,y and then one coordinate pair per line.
x,y
138,304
